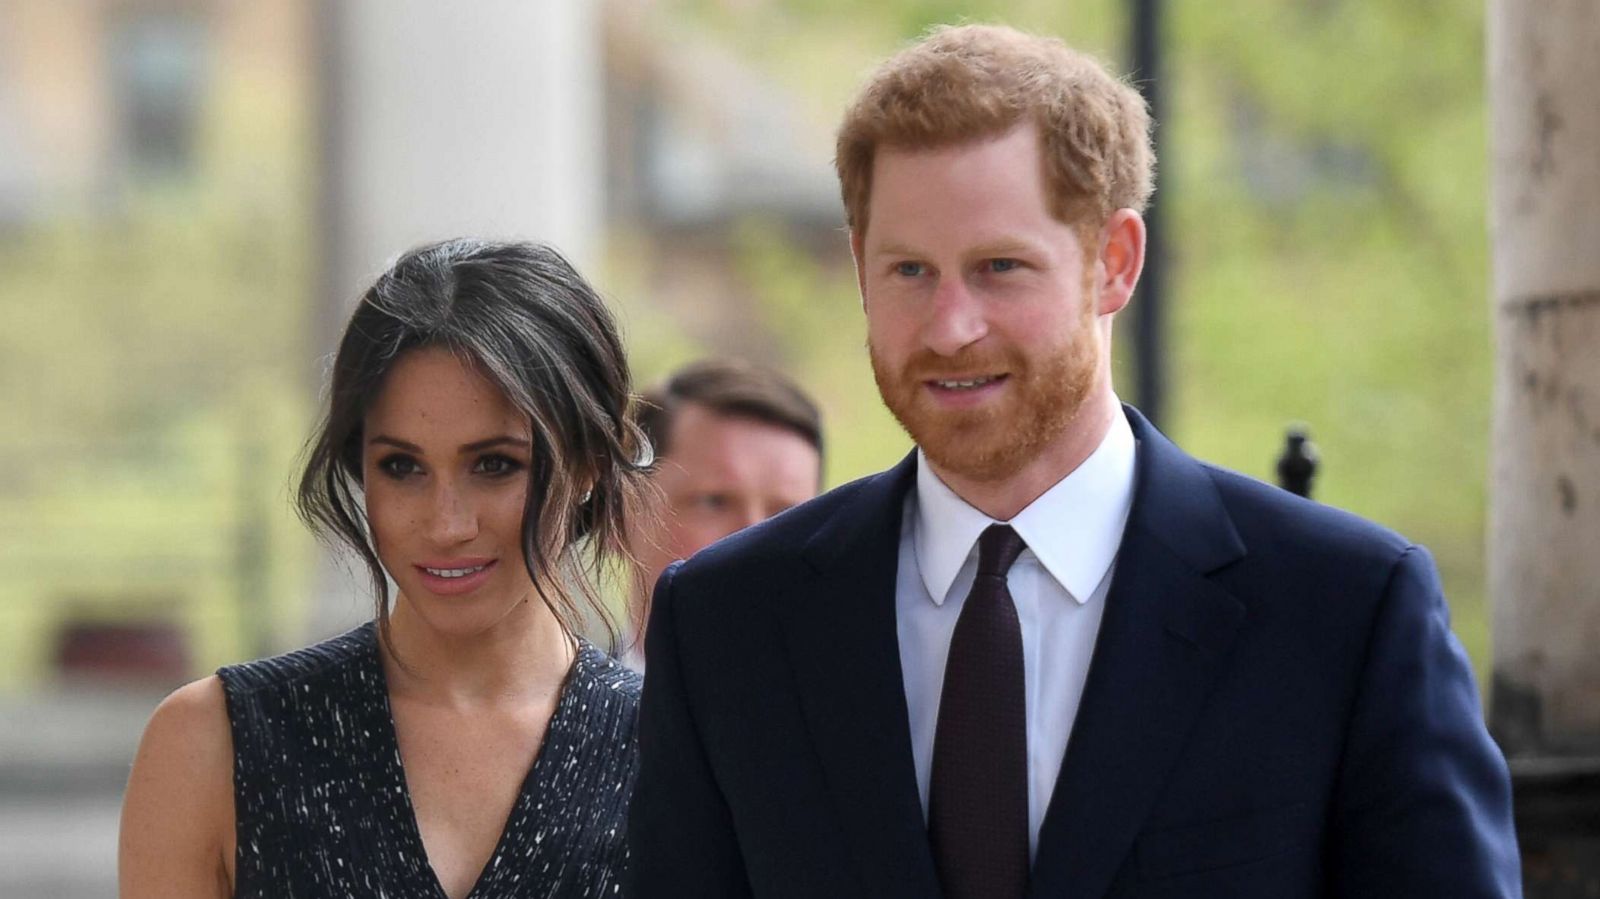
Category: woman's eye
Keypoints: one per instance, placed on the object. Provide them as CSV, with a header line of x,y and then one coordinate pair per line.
x,y
398,466
497,466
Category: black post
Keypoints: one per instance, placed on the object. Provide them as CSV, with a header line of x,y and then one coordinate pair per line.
x,y
1149,312
1298,463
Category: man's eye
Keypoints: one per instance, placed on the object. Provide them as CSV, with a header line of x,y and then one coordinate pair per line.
x,y
909,269
1003,265
497,466
398,467
711,502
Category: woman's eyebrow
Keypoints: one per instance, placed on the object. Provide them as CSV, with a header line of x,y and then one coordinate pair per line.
x,y
396,442
502,440
473,447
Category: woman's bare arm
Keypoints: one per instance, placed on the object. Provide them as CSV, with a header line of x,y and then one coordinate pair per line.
x,y
177,815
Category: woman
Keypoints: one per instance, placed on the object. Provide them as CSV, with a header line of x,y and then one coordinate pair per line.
x,y
478,451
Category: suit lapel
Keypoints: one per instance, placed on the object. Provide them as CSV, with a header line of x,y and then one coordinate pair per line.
x,y
1165,636
845,651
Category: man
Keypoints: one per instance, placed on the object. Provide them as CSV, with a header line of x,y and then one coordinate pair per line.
x,y
736,444
1048,654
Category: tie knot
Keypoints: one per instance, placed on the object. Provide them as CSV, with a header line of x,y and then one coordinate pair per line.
x,y
998,547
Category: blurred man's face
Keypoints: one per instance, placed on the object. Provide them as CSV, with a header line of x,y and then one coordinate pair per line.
x,y
721,474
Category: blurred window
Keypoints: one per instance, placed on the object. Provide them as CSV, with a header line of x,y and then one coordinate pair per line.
x,y
158,70
682,172
1281,168
15,171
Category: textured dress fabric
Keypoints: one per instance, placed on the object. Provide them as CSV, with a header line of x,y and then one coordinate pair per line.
x,y
320,794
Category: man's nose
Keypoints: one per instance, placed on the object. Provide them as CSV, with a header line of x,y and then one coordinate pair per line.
x,y
751,513
956,318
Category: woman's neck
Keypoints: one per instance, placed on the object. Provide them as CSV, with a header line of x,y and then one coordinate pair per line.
x,y
524,656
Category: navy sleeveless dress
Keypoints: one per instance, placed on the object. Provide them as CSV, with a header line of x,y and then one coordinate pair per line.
x,y
321,800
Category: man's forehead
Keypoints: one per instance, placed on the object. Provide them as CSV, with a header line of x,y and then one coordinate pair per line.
x,y
698,423
998,244
702,434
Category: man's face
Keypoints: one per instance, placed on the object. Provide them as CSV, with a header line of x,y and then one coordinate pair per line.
x,y
724,473
981,306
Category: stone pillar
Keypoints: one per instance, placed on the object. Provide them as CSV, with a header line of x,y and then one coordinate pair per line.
x,y
445,120
1544,523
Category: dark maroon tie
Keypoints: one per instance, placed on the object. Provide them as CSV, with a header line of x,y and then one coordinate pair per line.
x,y
978,796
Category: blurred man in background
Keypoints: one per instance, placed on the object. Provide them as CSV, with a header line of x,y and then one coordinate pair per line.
x,y
736,443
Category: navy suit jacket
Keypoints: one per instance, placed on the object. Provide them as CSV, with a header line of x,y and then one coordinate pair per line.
x,y
1275,708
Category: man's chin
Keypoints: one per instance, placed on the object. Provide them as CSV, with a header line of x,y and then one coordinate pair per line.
x,y
977,447
988,462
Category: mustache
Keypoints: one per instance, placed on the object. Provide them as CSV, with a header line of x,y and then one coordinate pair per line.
x,y
926,365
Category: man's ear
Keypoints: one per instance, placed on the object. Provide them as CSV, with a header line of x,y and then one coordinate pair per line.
x,y
858,255
1120,260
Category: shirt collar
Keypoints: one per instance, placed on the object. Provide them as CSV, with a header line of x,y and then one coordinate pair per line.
x,y
1074,528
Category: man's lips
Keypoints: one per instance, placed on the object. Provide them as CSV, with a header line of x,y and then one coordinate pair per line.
x,y
964,391
964,382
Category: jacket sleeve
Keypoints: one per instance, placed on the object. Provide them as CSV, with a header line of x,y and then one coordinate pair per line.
x,y
1424,798
680,831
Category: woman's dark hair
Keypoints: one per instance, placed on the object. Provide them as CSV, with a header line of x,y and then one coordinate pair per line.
x,y
524,318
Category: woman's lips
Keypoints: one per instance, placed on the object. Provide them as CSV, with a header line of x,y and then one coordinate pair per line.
x,y
455,576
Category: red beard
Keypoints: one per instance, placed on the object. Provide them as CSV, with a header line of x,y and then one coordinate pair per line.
x,y
1042,397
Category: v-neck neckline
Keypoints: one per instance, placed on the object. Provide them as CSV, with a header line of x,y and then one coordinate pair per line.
x,y
526,793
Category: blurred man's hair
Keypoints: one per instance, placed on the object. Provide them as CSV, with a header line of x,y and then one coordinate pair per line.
x,y
733,388
970,82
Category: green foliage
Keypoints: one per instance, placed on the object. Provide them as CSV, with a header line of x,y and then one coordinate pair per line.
x,y
153,361
1326,183
156,401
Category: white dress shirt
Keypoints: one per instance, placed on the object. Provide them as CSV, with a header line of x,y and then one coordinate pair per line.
x,y
1059,585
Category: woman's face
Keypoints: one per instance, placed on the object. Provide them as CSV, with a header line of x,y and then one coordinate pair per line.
x,y
445,470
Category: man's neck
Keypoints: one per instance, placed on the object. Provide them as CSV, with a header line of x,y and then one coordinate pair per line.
x,y
1003,499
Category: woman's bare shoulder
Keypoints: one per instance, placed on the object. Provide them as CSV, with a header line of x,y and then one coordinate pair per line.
x,y
189,729
177,813
194,701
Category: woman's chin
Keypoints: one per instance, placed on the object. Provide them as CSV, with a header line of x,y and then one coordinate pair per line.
x,y
466,615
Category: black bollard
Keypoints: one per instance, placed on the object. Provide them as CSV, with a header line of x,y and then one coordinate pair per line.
x,y
1298,464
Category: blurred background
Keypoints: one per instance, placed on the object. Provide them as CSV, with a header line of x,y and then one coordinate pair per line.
x,y
194,192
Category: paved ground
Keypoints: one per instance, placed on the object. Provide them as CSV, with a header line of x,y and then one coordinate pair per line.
x,y
64,757
59,847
